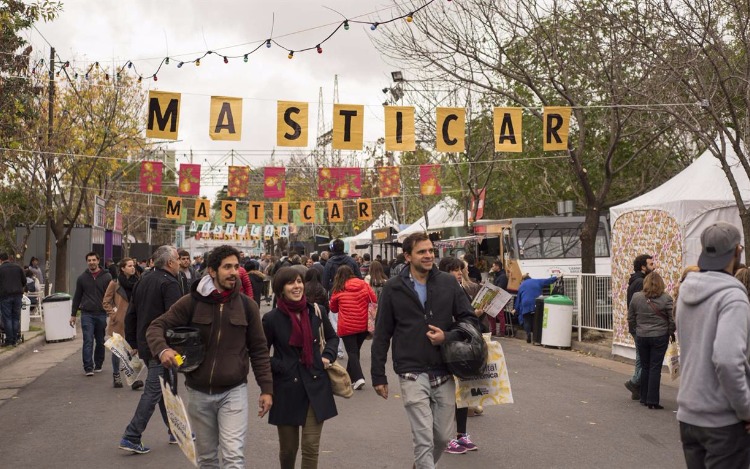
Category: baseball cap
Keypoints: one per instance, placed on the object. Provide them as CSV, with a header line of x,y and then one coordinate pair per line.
x,y
718,242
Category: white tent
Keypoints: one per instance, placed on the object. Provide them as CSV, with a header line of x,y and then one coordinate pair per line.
x,y
667,223
445,214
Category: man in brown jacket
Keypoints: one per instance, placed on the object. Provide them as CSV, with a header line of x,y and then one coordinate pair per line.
x,y
230,327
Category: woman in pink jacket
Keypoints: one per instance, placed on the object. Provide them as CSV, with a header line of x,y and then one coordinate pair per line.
x,y
350,298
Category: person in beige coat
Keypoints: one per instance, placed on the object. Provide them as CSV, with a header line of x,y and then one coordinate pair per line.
x,y
115,303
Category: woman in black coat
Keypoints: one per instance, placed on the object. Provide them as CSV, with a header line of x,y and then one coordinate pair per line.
x,y
302,392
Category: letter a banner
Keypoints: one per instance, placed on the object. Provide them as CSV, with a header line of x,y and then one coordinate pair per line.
x,y
226,118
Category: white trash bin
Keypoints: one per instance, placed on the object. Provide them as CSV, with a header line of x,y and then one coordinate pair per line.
x,y
25,313
557,324
57,317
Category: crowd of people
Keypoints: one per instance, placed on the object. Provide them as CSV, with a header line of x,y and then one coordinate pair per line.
x,y
322,306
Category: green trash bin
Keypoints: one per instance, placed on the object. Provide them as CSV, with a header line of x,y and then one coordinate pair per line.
x,y
557,323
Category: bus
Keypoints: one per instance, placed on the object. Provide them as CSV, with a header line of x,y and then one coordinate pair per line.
x,y
541,246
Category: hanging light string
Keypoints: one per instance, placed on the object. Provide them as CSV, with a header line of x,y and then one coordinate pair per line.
x,y
130,66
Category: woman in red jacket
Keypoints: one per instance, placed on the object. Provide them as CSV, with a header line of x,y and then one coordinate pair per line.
x,y
350,297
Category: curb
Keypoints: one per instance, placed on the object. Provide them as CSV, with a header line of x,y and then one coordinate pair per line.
x,y
595,350
11,356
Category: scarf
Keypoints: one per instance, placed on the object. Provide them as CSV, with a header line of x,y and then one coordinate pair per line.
x,y
301,335
127,283
206,288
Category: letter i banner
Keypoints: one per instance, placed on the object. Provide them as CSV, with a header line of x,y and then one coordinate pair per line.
x,y
429,179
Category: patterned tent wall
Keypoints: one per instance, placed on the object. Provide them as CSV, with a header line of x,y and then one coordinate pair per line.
x,y
653,232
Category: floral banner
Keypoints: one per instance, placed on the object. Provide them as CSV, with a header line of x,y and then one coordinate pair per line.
x,y
429,179
239,177
274,183
389,181
151,172
339,183
190,179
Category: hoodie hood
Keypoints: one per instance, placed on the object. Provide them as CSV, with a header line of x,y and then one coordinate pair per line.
x,y
700,286
338,259
635,276
355,284
201,290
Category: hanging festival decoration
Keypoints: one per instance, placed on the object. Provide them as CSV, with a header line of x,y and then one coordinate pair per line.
x,y
151,174
190,179
274,183
389,181
225,119
340,183
399,128
239,178
429,179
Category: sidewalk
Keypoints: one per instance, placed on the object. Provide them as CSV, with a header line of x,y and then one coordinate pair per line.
x,y
595,348
32,341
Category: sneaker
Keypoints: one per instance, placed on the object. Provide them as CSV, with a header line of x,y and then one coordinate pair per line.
x,y
138,448
359,384
116,381
137,384
455,448
88,372
97,369
635,390
466,443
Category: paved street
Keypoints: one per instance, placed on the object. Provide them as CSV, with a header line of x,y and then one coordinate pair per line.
x,y
571,411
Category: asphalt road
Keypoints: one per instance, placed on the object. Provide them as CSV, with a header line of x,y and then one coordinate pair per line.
x,y
570,411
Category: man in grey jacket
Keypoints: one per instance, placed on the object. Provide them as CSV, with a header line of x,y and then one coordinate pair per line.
x,y
714,331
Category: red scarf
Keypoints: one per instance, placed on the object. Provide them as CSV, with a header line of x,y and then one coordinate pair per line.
x,y
221,296
301,335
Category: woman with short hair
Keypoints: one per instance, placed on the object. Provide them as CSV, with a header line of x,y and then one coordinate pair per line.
x,y
651,320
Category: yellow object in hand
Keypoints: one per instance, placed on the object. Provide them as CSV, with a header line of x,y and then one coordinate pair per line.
x,y
178,359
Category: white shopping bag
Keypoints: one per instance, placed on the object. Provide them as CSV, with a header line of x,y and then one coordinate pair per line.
x,y
673,360
130,364
179,423
490,388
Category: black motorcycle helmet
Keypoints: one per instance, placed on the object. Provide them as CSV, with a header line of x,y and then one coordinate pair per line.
x,y
466,357
187,342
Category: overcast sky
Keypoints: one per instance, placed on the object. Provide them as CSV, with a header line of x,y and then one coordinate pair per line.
x,y
145,31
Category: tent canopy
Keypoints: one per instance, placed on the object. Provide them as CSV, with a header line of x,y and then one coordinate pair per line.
x,y
445,214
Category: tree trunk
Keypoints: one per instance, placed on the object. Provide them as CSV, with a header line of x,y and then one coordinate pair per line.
x,y
588,240
745,217
61,265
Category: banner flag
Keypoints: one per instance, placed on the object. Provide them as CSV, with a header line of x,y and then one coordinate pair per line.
x,y
307,212
335,211
202,210
163,115
274,183
451,129
348,125
280,212
399,128
255,212
508,126
174,207
364,209
239,178
190,180
226,118
556,125
228,211
339,182
429,179
291,124
151,174
389,181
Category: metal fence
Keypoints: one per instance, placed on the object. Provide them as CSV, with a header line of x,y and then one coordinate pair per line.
x,y
592,300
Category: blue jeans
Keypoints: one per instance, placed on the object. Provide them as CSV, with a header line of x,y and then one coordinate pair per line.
x,y
431,414
149,399
219,422
93,326
636,379
10,306
652,350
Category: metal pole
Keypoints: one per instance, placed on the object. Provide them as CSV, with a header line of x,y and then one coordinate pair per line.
x,y
48,170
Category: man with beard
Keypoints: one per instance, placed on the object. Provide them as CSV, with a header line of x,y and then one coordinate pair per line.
x,y
90,288
231,330
642,266
416,309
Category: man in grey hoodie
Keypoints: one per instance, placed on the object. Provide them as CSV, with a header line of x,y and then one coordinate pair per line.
x,y
714,332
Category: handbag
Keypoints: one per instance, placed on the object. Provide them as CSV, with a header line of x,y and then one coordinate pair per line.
x,y
372,314
341,383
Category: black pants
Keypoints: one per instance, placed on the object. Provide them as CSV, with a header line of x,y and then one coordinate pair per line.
x,y
462,414
721,447
528,325
651,350
352,344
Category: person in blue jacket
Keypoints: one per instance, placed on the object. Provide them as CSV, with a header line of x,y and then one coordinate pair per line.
x,y
529,290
